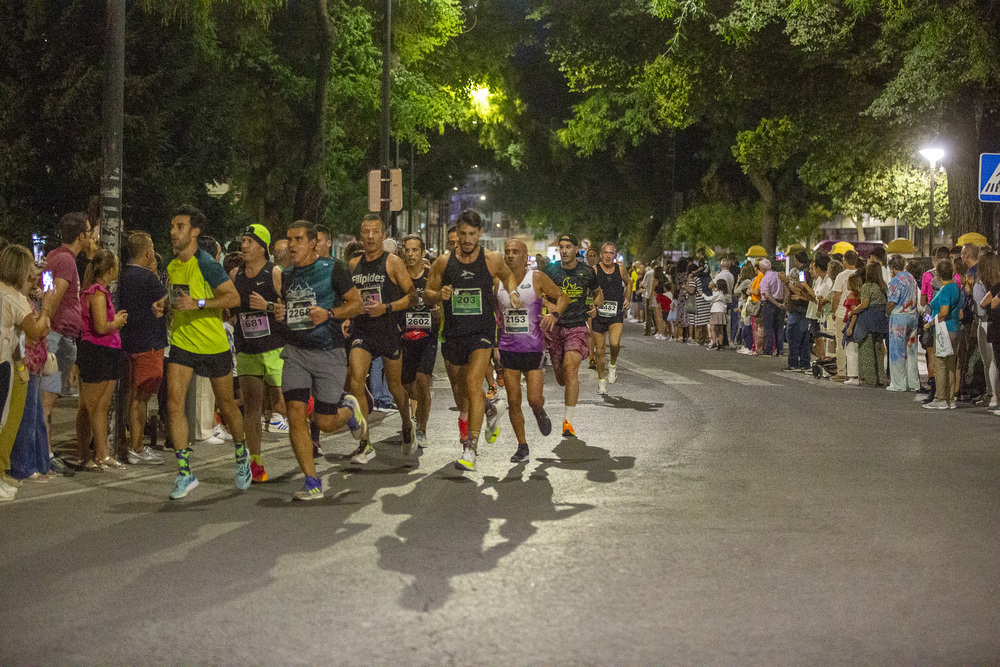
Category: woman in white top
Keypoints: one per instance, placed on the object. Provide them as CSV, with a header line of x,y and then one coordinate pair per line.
x,y
717,303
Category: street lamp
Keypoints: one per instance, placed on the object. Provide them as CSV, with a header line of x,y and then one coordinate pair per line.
x,y
932,155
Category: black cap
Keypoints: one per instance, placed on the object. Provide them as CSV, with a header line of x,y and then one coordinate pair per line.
x,y
569,237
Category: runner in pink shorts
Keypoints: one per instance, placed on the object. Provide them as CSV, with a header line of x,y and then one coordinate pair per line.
x,y
568,343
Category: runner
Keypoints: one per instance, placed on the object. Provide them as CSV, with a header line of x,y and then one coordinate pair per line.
x,y
420,326
617,289
567,342
199,290
258,339
317,293
522,342
385,287
463,281
593,259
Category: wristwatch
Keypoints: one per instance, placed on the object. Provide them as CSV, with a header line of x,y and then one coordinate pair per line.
x,y
201,303
270,306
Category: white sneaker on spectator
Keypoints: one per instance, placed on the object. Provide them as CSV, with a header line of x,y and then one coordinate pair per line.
x,y
211,440
278,424
993,402
221,433
936,404
147,456
7,492
854,382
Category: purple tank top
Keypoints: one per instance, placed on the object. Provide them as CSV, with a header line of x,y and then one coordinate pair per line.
x,y
520,331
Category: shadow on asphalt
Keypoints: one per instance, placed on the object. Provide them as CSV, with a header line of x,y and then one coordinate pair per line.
x,y
628,404
449,520
576,454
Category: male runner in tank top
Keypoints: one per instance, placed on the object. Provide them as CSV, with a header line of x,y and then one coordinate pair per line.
x,y
463,281
317,295
386,290
617,290
199,290
258,338
522,342
419,343
568,341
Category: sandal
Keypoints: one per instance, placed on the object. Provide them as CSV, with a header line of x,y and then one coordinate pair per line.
x,y
111,462
90,466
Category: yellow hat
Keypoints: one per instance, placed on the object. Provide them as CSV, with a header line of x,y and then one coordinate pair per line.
x,y
901,247
841,248
756,251
972,237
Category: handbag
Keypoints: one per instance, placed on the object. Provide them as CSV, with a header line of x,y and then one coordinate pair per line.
x,y
691,306
753,308
51,365
942,341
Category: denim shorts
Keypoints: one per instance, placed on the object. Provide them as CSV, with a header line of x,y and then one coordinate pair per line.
x,y
64,348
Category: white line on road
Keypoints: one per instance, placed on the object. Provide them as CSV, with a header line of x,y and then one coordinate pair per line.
x,y
740,378
809,379
665,377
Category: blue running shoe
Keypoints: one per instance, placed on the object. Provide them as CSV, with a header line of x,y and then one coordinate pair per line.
x,y
311,490
183,486
243,474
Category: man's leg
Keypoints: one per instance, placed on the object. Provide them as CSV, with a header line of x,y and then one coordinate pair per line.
x,y
571,368
512,383
838,335
178,379
615,336
475,373
393,370
252,389
359,363
222,387
597,343
298,432
421,390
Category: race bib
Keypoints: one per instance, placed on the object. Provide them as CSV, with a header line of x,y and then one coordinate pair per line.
x,y
255,325
297,315
608,309
371,296
515,322
417,321
467,301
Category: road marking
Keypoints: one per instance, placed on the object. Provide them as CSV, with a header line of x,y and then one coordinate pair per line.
x,y
665,377
740,378
809,379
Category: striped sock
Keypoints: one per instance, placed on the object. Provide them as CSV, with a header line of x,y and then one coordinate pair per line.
x,y
183,461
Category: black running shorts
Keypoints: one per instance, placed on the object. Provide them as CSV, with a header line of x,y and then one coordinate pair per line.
x,y
419,357
458,351
381,341
204,365
600,325
521,361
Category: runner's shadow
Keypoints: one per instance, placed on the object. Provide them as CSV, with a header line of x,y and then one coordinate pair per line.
x,y
576,454
447,533
628,404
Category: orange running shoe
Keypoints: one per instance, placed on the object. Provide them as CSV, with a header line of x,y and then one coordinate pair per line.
x,y
568,431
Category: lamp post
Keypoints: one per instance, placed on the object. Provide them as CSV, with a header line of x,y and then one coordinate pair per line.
x,y
932,155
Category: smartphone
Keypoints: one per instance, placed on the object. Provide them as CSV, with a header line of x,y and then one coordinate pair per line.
x,y
802,276
47,285
928,318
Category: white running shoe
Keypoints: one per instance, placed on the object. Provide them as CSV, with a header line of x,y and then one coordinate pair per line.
x,y
278,424
602,387
222,433
467,461
612,373
147,456
493,423
421,439
212,440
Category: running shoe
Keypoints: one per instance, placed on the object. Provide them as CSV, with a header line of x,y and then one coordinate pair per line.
x,y
544,423
602,387
363,454
568,431
493,423
421,439
361,432
220,432
311,490
243,475
467,461
257,473
183,485
211,440
317,450
612,373
936,404
521,455
592,366
146,456
408,441
491,392
278,424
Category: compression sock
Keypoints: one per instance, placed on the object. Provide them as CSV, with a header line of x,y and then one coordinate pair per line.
x,y
255,458
463,416
183,461
473,442
241,450
314,431
568,415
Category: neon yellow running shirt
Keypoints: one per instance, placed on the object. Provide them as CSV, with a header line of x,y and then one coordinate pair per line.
x,y
198,331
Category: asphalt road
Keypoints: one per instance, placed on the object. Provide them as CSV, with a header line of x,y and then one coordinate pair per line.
x,y
713,510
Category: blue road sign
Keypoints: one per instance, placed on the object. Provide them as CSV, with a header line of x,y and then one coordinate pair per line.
x,y
989,177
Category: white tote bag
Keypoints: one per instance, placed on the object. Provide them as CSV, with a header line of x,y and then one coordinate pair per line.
x,y
942,340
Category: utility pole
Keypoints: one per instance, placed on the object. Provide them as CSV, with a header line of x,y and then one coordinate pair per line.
x,y
386,119
111,179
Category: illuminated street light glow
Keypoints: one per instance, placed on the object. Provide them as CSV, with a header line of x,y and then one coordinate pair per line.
x,y
481,100
482,197
932,155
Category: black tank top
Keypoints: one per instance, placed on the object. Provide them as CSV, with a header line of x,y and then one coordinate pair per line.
x,y
612,287
256,331
372,280
418,322
471,311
